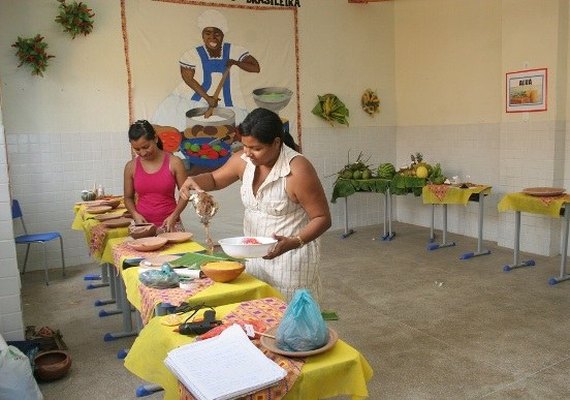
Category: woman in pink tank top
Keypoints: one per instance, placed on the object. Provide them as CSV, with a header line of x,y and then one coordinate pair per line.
x,y
151,180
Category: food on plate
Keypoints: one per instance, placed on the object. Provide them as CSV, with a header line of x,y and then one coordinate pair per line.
x,y
250,240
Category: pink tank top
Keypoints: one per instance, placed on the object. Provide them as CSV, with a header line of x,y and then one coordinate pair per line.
x,y
155,191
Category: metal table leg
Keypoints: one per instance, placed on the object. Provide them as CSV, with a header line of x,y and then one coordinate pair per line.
x,y
480,252
389,235
432,225
126,311
516,251
147,390
444,243
347,232
104,278
385,227
563,276
108,268
115,289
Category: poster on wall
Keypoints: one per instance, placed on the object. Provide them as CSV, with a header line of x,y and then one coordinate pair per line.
x,y
201,67
526,90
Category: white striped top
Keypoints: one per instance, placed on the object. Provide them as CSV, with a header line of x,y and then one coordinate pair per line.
x,y
272,211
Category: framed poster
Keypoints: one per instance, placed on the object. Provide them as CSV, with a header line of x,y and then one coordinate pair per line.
x,y
526,90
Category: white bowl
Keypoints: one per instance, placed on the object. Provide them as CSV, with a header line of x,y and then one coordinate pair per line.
x,y
240,248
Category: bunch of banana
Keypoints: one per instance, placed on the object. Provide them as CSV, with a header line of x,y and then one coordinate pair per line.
x,y
331,109
370,102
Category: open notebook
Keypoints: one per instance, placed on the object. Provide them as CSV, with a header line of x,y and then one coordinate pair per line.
x,y
223,367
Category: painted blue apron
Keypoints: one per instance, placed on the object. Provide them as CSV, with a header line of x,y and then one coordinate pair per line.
x,y
210,66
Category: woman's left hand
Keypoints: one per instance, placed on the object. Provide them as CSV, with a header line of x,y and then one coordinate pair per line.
x,y
283,245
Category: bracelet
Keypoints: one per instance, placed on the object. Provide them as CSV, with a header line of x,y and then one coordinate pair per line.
x,y
298,239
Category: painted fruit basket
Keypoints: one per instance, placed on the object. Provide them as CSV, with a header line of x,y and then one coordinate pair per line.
x,y
198,151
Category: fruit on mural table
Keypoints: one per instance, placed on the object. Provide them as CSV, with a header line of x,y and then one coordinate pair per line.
x,y
356,170
386,171
205,151
436,176
422,171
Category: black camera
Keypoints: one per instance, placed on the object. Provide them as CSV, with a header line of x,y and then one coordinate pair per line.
x,y
198,328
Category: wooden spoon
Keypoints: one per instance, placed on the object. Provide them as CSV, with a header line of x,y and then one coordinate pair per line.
x,y
210,110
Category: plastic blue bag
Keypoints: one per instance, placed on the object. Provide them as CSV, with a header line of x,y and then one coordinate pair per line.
x,y
302,327
160,279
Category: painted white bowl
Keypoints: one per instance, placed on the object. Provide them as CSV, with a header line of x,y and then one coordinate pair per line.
x,y
247,246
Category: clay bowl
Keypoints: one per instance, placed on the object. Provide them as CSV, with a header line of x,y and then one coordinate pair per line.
x,y
52,365
222,271
113,203
98,209
148,244
139,231
177,237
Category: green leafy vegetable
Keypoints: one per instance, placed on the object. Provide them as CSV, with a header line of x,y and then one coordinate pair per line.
x,y
331,109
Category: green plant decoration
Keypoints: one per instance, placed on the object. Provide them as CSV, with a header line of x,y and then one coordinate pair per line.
x,y
32,51
331,109
76,18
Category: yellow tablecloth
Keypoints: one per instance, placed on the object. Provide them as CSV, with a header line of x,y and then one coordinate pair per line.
x,y
548,205
245,287
86,222
340,371
448,194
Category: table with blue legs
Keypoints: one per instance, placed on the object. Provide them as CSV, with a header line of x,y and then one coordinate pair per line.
x,y
455,194
96,237
552,206
117,253
342,370
145,299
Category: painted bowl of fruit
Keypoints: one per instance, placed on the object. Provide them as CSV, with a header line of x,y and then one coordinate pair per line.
x,y
247,246
272,98
206,151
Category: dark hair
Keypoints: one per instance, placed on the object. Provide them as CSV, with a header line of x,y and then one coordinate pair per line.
x,y
144,128
265,126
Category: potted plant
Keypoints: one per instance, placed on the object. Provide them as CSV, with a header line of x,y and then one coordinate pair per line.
x,y
32,51
76,18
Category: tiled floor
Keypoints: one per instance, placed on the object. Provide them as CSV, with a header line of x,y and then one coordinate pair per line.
x,y
432,326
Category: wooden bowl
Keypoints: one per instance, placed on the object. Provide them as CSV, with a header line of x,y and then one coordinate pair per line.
x,y
223,271
52,365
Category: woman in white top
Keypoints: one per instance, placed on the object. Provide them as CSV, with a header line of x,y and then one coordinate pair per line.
x,y
283,197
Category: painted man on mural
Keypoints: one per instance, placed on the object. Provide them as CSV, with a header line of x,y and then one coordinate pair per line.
x,y
202,69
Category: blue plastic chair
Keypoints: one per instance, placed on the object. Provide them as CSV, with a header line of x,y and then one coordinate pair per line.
x,y
42,238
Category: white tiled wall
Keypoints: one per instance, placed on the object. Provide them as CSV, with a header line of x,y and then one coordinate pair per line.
x,y
462,150
48,172
11,322
329,149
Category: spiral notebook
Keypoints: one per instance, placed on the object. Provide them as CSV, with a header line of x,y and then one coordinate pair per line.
x,y
223,367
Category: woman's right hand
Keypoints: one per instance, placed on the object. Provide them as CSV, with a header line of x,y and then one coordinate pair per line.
x,y
139,219
188,186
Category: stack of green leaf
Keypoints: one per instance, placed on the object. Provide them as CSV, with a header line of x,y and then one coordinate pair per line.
x,y
331,109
